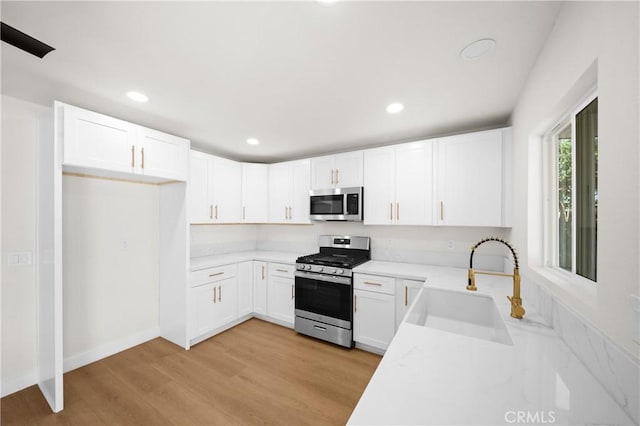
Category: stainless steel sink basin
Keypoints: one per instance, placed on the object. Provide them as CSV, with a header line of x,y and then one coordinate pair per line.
x,y
460,312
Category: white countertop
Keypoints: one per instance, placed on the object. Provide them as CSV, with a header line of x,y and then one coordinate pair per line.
x,y
204,262
429,376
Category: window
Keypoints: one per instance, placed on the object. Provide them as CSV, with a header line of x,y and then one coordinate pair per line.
x,y
574,189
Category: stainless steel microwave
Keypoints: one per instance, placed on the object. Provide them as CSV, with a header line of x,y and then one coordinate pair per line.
x,y
339,204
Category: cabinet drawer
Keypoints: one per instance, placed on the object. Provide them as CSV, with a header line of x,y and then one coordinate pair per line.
x,y
212,275
374,283
281,270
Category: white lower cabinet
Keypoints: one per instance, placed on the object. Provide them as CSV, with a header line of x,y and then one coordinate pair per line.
x,y
406,292
373,310
245,288
214,299
281,292
260,287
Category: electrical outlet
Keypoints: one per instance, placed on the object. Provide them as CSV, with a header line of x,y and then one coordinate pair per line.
x,y
451,245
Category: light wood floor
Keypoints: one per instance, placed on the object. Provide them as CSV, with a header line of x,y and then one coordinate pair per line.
x,y
255,373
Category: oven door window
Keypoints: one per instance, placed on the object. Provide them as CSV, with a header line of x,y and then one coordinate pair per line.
x,y
324,298
327,204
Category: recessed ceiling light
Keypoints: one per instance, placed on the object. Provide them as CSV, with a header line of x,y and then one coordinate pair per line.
x,y
327,1
137,96
478,49
253,141
394,108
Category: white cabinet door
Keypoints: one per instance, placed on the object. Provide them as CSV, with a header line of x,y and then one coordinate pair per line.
x,y
470,179
203,313
260,287
245,288
322,172
281,298
97,141
299,205
348,169
255,191
198,188
406,292
226,308
162,155
379,176
340,170
279,192
414,183
226,190
289,185
373,318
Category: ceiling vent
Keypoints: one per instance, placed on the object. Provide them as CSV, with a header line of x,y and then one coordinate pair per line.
x,y
24,41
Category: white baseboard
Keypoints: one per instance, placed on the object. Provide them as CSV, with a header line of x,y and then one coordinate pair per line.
x,y
14,384
108,349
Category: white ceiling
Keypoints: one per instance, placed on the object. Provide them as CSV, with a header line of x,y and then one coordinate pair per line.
x,y
302,77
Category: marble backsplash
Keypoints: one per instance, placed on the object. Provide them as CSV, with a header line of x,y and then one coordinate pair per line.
x,y
611,365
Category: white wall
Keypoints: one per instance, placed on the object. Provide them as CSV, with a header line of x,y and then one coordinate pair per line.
x,y
19,333
591,40
110,265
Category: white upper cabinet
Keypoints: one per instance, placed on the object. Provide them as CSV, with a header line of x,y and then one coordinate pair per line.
x,y
289,192
472,179
398,184
214,189
98,144
339,170
255,189
162,154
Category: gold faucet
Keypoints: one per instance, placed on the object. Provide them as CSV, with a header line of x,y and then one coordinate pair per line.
x,y
517,311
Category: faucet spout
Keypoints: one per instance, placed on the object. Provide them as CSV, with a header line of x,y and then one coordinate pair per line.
x,y
517,311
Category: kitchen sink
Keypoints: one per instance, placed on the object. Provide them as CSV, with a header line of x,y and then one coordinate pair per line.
x,y
460,312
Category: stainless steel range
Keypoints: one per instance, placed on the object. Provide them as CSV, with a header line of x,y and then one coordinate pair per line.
x,y
324,288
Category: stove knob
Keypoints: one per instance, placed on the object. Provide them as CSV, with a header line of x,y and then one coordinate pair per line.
x,y
320,269
308,267
335,271
339,271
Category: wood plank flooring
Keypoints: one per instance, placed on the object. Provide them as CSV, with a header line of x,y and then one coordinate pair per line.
x,y
254,373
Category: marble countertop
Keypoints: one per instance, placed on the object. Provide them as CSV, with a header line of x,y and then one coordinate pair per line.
x,y
204,262
429,376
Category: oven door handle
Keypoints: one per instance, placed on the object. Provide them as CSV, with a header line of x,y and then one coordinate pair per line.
x,y
323,277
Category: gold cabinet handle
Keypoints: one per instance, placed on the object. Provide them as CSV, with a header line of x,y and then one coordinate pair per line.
x,y
406,296
372,283
286,215
397,211
214,295
216,274
331,176
216,210
211,211
355,303
220,293
292,291
244,211
281,270
133,156
337,176
441,210
391,211
263,272
142,153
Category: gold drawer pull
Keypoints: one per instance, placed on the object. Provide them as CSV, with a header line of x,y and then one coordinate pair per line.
x,y
281,270
216,274
372,283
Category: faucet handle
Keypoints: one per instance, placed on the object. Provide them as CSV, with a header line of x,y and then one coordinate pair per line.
x,y
517,311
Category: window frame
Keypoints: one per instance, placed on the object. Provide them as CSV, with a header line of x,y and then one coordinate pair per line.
x,y
550,192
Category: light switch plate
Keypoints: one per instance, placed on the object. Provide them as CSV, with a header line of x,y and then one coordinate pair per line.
x,y
20,258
